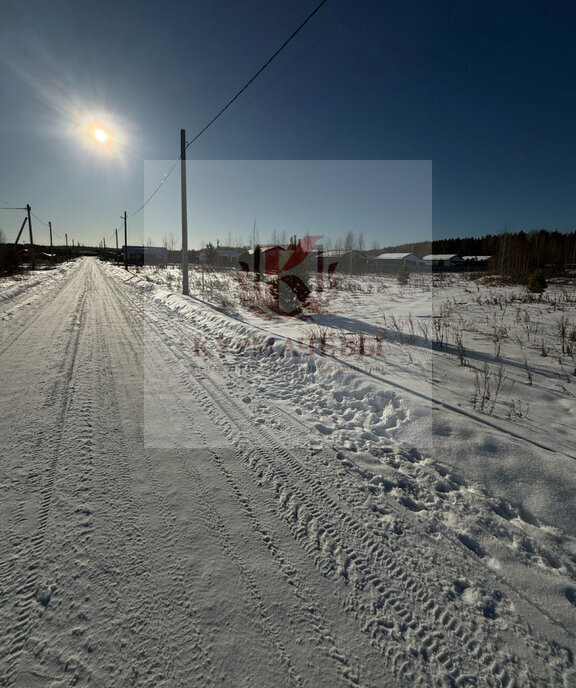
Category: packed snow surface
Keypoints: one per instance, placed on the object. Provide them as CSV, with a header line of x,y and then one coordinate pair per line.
x,y
197,491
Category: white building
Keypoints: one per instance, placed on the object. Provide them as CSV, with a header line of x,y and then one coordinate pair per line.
x,y
394,261
447,260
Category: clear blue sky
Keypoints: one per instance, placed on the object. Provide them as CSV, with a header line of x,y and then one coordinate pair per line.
x,y
484,91
242,201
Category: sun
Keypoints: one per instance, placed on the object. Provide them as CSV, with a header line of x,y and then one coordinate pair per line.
x,y
100,135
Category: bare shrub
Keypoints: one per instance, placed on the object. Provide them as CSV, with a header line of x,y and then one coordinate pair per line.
x,y
460,349
485,395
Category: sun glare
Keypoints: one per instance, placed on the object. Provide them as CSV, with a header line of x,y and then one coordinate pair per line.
x,y
101,135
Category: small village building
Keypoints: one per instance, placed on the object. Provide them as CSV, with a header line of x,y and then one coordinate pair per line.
x,y
392,262
444,261
145,255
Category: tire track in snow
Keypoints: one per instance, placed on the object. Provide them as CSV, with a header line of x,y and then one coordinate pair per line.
x,y
8,338
342,559
32,656
159,592
289,503
26,561
419,484
547,555
210,515
311,605
263,618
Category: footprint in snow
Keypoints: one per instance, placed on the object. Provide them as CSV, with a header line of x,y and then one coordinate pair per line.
x,y
472,544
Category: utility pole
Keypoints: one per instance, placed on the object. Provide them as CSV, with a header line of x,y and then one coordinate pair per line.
x,y
32,257
185,290
21,230
51,249
125,243
117,256
66,235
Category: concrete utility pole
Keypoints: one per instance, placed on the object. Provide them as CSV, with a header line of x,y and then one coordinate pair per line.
x,y
117,256
32,257
51,249
125,243
185,290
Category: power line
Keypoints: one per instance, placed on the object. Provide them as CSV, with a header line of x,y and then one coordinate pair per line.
x,y
280,49
157,189
228,104
7,203
39,220
284,71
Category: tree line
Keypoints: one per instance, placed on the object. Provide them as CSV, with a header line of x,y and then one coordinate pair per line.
x,y
514,254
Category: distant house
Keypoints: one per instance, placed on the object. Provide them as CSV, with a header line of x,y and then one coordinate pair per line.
x,y
443,260
390,262
145,255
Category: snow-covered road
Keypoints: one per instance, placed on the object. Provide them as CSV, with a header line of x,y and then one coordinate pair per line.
x,y
168,521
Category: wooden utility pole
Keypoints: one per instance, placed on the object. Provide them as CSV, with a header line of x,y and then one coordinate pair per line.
x,y
21,230
125,243
185,290
32,257
66,235
117,255
51,248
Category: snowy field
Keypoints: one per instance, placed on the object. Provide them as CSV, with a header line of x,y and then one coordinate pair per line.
x,y
198,491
